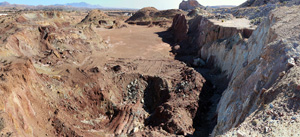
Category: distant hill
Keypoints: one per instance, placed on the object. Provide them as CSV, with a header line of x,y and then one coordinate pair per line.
x,y
4,3
68,5
71,6
81,5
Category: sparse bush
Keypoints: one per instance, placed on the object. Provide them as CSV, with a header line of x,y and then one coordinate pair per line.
x,y
254,122
1,124
256,21
257,10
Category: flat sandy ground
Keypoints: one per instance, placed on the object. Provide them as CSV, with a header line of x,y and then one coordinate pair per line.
x,y
136,42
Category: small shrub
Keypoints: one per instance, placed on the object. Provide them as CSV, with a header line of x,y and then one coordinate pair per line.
x,y
1,124
257,10
254,122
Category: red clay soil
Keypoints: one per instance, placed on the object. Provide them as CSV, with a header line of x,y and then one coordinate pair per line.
x,y
85,81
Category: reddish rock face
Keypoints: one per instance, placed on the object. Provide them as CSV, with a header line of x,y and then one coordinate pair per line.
x,y
189,5
179,28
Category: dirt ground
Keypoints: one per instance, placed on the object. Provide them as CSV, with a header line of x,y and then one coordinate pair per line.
x,y
136,42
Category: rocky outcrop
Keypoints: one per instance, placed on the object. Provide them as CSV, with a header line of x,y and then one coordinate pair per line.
x,y
203,30
255,3
179,28
207,32
262,67
190,5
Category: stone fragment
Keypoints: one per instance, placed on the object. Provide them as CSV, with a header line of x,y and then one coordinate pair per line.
x,y
291,62
298,86
198,62
177,47
117,68
281,74
267,129
241,134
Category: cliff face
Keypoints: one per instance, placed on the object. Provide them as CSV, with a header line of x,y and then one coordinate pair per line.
x,y
190,5
270,52
254,64
254,3
179,28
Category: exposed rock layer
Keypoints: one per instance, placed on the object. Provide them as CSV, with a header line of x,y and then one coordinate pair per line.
x,y
254,66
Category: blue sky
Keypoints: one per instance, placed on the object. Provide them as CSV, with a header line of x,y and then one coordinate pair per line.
x,y
160,4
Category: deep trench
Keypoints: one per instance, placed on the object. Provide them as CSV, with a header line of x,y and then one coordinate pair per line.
x,y
211,93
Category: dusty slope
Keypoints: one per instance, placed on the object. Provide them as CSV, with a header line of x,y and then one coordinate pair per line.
x,y
61,80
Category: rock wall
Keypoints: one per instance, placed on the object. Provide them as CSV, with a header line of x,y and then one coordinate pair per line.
x,y
253,65
270,52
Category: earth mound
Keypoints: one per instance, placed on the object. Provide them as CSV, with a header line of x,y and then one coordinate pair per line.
x,y
151,15
100,19
144,14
